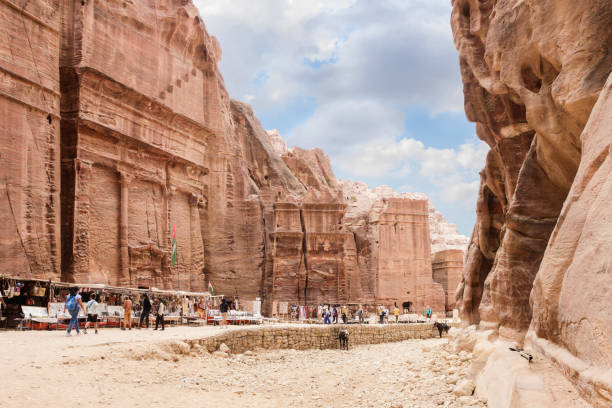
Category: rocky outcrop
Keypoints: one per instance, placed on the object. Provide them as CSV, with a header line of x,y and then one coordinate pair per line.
x,y
532,73
361,199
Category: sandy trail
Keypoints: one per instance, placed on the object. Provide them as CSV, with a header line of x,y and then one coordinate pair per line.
x,y
144,368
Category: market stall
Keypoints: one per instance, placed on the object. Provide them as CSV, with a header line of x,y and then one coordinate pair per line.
x,y
38,305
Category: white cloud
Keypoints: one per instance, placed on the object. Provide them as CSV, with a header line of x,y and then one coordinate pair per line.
x,y
397,52
462,193
336,127
453,172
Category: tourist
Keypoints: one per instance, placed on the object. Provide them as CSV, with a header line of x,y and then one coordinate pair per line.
x,y
360,315
161,310
428,312
344,312
72,305
2,304
127,313
146,309
335,315
396,313
223,308
92,313
327,316
381,310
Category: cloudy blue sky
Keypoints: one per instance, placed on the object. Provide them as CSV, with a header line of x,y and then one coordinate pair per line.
x,y
375,84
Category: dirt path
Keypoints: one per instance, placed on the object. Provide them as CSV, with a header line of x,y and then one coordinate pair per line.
x,y
133,369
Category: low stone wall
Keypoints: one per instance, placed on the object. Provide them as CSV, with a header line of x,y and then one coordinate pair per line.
x,y
314,337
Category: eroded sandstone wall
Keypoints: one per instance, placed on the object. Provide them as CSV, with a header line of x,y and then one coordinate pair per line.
x,y
29,138
142,106
530,90
447,268
532,73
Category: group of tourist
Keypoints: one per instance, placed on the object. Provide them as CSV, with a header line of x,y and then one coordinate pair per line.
x,y
335,314
74,304
342,314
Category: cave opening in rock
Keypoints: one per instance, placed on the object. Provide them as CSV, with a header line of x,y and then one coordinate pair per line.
x,y
530,79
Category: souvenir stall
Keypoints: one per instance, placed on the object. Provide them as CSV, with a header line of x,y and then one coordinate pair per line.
x,y
234,315
38,305
26,303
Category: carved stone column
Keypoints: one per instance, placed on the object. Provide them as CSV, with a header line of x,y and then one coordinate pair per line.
x,y
196,270
166,279
80,249
124,279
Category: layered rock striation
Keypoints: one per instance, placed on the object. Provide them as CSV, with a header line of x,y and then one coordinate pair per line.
x,y
30,138
534,76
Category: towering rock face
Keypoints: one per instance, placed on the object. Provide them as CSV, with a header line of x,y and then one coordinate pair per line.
x,y
395,234
29,138
532,73
142,110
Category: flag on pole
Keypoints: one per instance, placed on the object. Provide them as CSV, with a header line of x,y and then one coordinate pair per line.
x,y
174,248
211,289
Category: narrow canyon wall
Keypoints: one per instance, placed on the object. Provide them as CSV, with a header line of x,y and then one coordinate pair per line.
x,y
537,260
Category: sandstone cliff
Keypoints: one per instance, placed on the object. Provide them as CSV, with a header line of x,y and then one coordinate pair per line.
x,y
539,254
384,223
30,138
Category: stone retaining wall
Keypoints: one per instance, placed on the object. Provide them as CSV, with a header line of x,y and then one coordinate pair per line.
x,y
315,337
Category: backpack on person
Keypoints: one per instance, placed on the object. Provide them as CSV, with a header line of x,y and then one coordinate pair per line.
x,y
72,304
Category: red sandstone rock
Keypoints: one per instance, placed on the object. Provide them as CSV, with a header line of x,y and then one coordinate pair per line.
x,y
30,138
573,288
447,268
532,72
395,263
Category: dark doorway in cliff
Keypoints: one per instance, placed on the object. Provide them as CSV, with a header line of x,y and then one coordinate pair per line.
x,y
407,306
530,79
465,10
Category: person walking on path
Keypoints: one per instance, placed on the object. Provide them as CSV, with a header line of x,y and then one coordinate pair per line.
x,y
223,308
327,317
396,313
381,310
335,315
92,313
344,312
146,309
428,312
127,313
161,310
2,304
72,305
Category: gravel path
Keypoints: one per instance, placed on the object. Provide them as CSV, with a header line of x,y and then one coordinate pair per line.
x,y
94,373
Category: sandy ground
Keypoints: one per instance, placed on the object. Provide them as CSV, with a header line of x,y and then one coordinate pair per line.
x,y
145,368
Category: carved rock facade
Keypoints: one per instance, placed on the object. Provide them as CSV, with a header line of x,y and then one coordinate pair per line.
x,y
118,134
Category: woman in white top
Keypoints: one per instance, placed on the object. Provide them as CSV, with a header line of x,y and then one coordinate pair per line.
x,y
92,313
